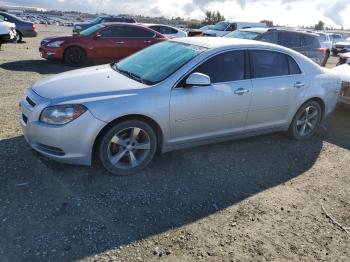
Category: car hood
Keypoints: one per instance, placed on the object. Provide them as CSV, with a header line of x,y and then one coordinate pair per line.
x,y
82,24
96,81
343,72
59,38
343,43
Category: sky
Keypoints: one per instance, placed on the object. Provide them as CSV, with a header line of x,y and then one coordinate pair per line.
x,y
283,12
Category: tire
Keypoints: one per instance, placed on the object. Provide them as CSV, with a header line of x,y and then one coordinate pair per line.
x,y
75,56
20,37
326,57
127,147
334,52
309,124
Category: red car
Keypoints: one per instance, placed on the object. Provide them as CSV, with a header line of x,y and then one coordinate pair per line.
x,y
102,42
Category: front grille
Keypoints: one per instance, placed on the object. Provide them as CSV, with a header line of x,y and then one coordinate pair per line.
x,y
30,101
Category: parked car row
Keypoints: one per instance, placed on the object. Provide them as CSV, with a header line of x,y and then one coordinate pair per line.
x,y
23,28
175,94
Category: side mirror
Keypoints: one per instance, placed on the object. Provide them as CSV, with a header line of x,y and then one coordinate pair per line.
x,y
198,79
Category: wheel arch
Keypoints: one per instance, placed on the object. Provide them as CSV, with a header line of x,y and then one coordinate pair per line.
x,y
74,45
156,127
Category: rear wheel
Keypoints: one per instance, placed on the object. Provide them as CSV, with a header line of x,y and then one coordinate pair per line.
x,y
127,147
75,56
19,37
306,121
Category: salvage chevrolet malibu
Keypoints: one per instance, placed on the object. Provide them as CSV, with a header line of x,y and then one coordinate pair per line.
x,y
173,95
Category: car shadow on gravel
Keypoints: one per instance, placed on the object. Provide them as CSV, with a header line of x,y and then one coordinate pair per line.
x,y
37,66
56,212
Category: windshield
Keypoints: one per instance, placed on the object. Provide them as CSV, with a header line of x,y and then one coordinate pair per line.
x,y
242,35
221,26
91,30
96,20
154,64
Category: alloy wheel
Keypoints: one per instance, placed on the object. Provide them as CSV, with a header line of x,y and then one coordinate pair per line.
x,y
307,121
129,148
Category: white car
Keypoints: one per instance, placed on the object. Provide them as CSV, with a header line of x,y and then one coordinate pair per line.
x,y
7,32
166,30
176,94
224,27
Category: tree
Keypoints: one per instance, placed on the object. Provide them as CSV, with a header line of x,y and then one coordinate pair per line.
x,y
267,22
320,26
213,17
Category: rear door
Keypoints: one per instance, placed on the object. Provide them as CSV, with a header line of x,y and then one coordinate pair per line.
x,y
274,89
137,38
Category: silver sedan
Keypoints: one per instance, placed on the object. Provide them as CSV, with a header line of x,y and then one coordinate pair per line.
x,y
176,94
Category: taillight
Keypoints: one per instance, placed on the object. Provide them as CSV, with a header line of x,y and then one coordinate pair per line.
x,y
323,50
34,26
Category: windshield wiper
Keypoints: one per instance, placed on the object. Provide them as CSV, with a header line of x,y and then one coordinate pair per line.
x,y
129,74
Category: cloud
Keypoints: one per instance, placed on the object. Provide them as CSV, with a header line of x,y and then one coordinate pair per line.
x,y
291,12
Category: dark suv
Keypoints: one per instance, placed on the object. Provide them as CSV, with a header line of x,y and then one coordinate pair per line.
x,y
303,42
78,27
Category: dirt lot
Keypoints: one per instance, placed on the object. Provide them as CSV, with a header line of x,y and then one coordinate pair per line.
x,y
257,199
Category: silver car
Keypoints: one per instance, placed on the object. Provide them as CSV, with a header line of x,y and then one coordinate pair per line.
x,y
176,94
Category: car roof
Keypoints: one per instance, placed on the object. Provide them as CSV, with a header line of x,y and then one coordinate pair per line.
x,y
259,30
218,42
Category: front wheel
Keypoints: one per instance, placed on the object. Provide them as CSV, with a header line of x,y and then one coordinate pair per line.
x,y
127,147
75,56
306,121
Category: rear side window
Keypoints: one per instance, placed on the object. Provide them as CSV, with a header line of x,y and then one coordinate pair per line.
x,y
268,63
167,30
270,37
137,32
225,67
290,40
311,40
294,69
113,31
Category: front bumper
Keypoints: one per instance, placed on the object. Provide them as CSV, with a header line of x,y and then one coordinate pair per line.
x,y
51,53
71,143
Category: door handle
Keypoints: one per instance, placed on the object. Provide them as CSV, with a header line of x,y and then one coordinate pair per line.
x,y
120,42
299,84
241,91
147,41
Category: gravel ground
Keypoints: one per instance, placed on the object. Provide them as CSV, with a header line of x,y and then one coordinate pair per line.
x,y
257,199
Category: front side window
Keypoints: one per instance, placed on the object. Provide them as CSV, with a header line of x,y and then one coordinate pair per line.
x,y
268,63
157,62
225,67
91,30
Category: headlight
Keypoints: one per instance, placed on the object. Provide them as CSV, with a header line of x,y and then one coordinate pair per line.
x,y
78,27
62,114
55,44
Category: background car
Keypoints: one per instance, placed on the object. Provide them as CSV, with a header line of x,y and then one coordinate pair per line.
x,y
224,27
167,30
78,27
342,46
102,42
335,38
7,32
199,32
306,43
176,94
23,28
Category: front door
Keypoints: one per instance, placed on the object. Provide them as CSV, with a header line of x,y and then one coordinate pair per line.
x,y
200,112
